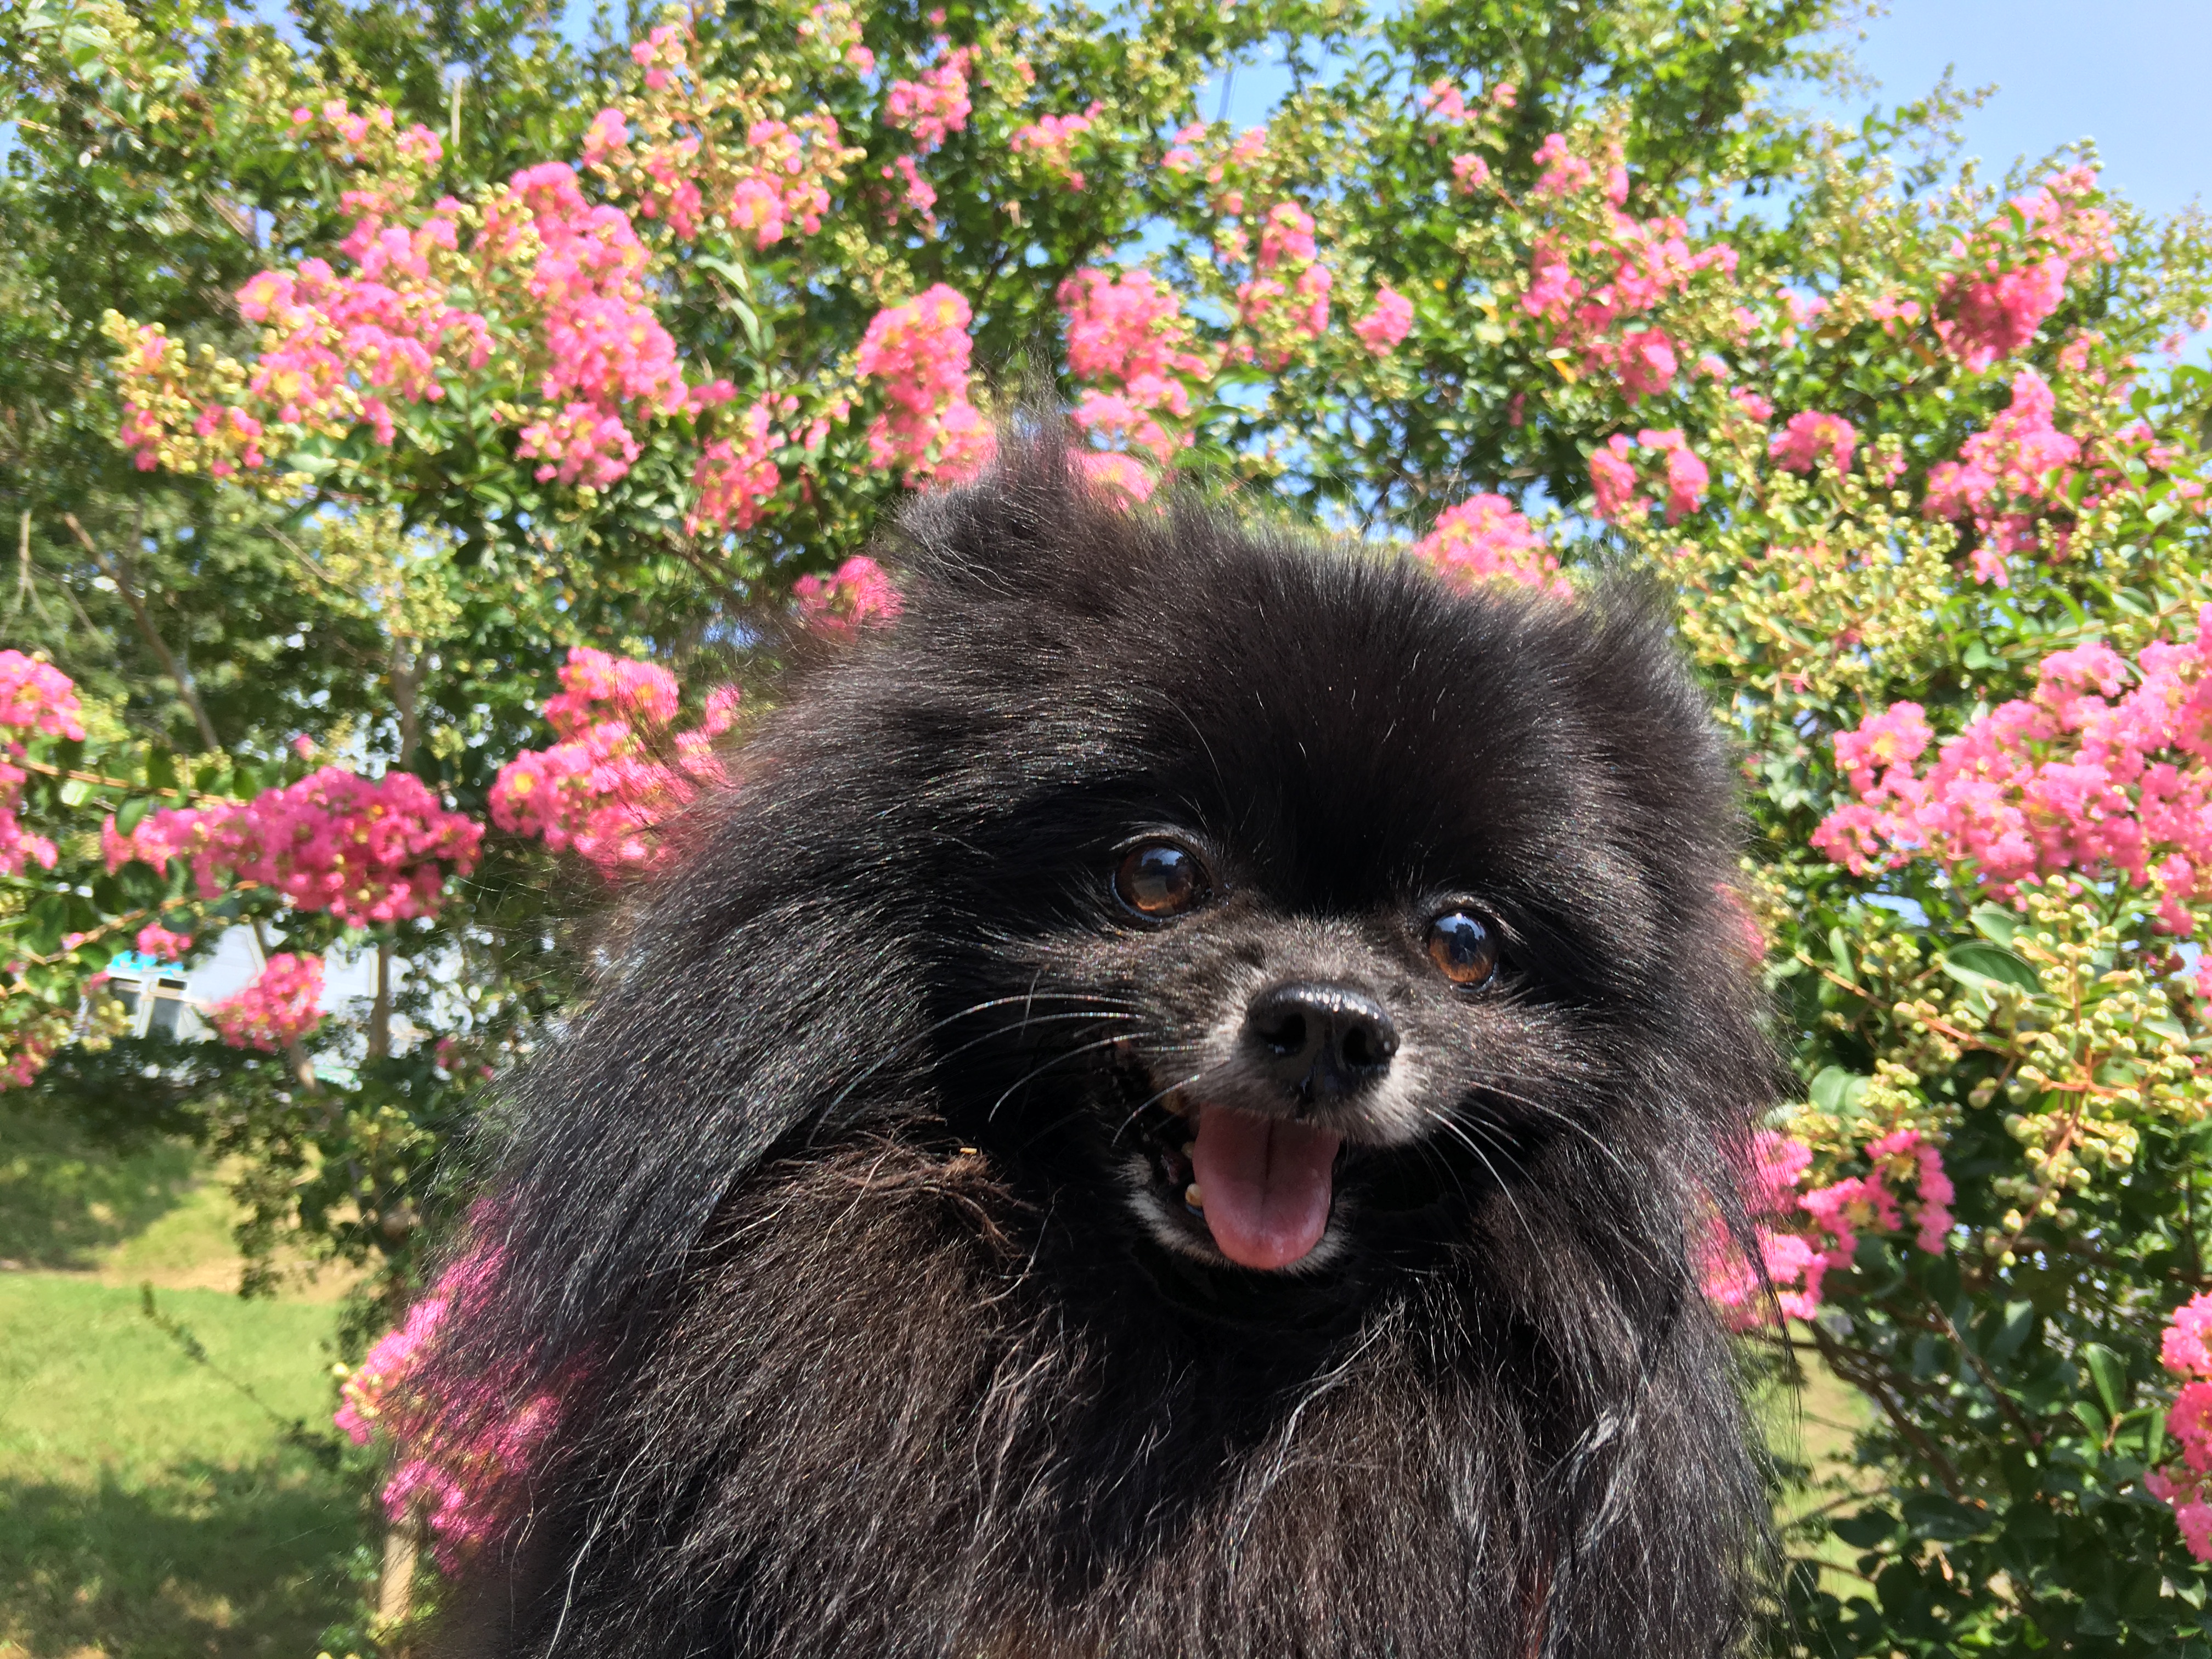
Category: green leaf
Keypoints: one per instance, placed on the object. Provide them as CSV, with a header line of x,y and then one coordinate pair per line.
x,y
1994,922
132,813
1980,966
2108,1373
2021,1320
1836,1090
1930,1515
45,923
1866,1529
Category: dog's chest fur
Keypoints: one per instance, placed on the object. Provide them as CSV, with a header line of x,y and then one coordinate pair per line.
x,y
872,1425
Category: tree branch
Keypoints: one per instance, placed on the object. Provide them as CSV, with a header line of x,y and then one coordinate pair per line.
x,y
117,568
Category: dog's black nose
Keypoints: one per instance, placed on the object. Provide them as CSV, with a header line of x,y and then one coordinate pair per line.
x,y
1320,1039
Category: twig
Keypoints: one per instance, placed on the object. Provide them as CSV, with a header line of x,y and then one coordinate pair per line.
x,y
116,568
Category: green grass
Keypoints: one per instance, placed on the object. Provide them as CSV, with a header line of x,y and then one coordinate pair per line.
x,y
65,1201
149,1509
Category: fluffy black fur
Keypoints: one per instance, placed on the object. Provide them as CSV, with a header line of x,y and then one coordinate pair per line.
x,y
827,1222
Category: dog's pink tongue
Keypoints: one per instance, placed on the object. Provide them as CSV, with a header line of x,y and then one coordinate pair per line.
x,y
1266,1184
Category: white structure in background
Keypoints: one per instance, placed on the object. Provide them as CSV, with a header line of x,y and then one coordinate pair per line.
x,y
167,1000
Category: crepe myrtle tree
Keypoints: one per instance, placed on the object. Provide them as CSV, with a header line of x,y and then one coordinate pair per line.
x,y
456,532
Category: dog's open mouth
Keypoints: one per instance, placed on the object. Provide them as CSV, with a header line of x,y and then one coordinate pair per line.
x,y
1261,1188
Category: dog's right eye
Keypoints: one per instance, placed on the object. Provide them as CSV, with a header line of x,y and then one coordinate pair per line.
x,y
1159,879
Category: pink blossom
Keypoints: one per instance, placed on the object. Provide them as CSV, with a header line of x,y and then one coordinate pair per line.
x,y
1469,173
366,851
1563,172
918,352
36,696
1807,434
1485,539
1687,477
2093,773
608,133
579,445
735,477
1647,363
2018,266
2186,1347
1127,333
158,942
1111,469
1381,328
2186,1483
859,594
462,1451
935,105
1443,103
1612,476
1052,140
1288,235
919,195
2003,475
620,769
281,1006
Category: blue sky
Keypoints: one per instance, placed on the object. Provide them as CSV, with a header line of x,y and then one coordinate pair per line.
x,y
2131,74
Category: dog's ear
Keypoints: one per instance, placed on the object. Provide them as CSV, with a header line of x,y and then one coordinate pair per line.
x,y
764,990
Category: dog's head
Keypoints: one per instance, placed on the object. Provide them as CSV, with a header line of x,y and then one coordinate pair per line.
x,y
1259,900
1292,906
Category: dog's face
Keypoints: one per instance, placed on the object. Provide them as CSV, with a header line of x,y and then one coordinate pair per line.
x,y
1298,919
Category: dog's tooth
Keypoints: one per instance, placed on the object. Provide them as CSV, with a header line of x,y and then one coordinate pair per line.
x,y
1193,1197
1190,1149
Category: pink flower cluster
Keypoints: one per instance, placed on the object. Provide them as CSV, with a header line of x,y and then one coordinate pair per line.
x,y
1628,270
937,105
36,699
1616,483
2018,269
1129,332
1381,328
2004,475
1287,301
1485,538
604,346
280,1007
919,353
339,350
1052,138
779,178
1563,172
1798,446
735,477
858,594
2186,1483
367,852
786,180
1797,1264
2082,776
619,770
158,942
457,1468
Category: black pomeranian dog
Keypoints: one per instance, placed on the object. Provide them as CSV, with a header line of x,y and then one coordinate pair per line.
x,y
1173,1111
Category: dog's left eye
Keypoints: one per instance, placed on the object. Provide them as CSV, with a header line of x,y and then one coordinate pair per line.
x,y
1159,879
1464,946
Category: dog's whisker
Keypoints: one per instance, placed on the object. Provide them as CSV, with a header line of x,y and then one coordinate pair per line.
x,y
1473,1146
1031,1077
